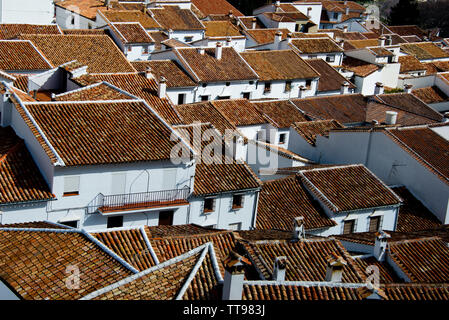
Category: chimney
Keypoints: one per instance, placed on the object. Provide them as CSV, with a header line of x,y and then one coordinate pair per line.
x,y
107,3
218,51
277,38
391,117
334,269
277,6
344,88
298,228
201,50
381,41
53,96
408,88
149,73
380,246
389,41
228,41
302,92
234,276
345,28
170,33
280,264
253,23
162,88
309,12
379,89
230,15
289,37
347,11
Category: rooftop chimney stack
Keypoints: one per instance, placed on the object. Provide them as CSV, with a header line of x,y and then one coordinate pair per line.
x,y
302,92
277,38
280,265
253,23
149,73
298,228
218,51
345,28
344,88
201,50
289,37
230,15
347,11
234,276
389,40
380,246
162,88
381,41
277,6
228,41
391,117
379,89
408,88
309,12
170,33
334,269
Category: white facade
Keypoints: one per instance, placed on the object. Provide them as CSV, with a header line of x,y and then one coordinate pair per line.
x,y
27,11
278,89
238,43
71,19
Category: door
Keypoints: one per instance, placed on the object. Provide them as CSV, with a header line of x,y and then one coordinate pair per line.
x,y
166,218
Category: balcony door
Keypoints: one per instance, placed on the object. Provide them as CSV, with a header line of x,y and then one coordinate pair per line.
x,y
166,218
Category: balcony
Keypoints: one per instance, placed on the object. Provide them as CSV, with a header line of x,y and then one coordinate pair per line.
x,y
139,201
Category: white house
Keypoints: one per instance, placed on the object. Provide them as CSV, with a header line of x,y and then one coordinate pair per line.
x,y
27,11
225,33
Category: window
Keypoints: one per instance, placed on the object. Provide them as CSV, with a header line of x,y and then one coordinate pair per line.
x,y
89,26
390,59
330,58
204,98
73,20
288,86
246,95
146,49
297,27
71,186
166,218
224,97
251,82
261,135
335,15
282,138
228,84
73,224
188,39
267,87
235,226
308,84
115,222
204,85
313,56
374,224
349,227
209,204
181,98
212,226
237,201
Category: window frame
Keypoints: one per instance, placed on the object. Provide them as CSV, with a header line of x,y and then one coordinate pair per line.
x,y
240,205
67,192
212,208
183,95
267,87
353,224
110,219
282,141
379,221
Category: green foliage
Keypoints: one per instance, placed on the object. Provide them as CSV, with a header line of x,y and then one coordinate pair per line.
x,y
405,12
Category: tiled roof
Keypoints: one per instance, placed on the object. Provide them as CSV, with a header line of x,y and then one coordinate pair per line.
x,y
310,129
175,18
318,45
85,31
216,7
98,52
410,63
408,30
12,30
170,69
347,188
131,32
136,133
18,55
86,8
306,259
360,44
422,260
140,86
286,16
100,91
264,234
343,108
177,231
380,51
221,29
437,66
413,215
35,264
359,67
240,112
132,16
20,178
416,292
280,113
282,200
386,273
426,146
278,65
207,68
330,79
424,50
430,94
264,36
35,225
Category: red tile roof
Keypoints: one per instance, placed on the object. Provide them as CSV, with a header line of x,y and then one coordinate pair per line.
x,y
309,130
216,7
282,200
424,50
330,79
131,32
98,52
386,272
280,113
410,63
279,65
175,18
139,16
171,70
430,94
100,91
13,30
318,45
264,36
20,178
240,112
19,55
347,188
221,29
136,133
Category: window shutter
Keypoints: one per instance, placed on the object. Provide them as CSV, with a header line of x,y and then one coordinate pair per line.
x,y
213,204
381,222
71,184
354,228
242,201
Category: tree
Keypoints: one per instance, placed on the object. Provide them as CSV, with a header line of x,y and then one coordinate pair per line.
x,y
404,13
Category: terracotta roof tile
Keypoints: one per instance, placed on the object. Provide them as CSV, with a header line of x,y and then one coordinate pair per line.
x,y
175,18
330,79
410,63
131,32
264,36
282,200
216,7
408,30
221,29
347,188
101,91
13,30
171,70
280,113
310,129
279,65
359,67
240,112
386,272
424,50
98,52
319,45
430,94
22,55
139,16
85,31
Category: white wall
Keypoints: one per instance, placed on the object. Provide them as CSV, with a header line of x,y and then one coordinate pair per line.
x,y
64,20
26,11
278,89
315,13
